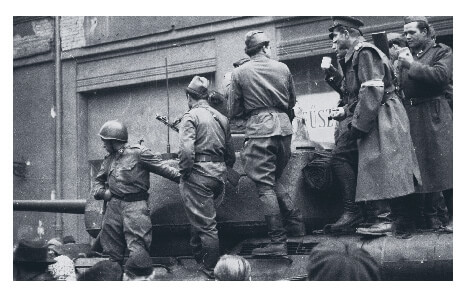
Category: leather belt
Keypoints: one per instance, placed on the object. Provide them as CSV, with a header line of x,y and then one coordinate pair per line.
x,y
264,109
208,158
132,197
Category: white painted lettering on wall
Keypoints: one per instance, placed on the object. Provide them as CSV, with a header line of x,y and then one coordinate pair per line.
x,y
312,112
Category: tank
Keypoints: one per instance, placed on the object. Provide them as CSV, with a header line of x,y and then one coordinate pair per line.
x,y
426,256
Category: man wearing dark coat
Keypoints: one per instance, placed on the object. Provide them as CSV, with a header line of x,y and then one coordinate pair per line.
x,y
387,166
426,74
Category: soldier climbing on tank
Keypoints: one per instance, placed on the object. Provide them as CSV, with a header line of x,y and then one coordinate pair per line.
x,y
126,170
262,91
206,150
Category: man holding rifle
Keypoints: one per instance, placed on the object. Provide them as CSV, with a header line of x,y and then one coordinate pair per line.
x,y
205,151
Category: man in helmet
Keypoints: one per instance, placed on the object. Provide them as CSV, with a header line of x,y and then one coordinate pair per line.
x,y
205,151
123,181
263,92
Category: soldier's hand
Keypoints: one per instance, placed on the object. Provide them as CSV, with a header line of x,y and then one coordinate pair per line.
x,y
107,195
405,58
337,114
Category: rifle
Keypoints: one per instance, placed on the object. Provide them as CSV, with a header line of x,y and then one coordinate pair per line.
x,y
232,176
164,120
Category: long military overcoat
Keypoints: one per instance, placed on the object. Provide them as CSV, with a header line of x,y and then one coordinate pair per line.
x,y
387,164
425,85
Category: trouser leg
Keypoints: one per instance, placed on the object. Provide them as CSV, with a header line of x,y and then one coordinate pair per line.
x,y
137,226
198,198
264,160
111,236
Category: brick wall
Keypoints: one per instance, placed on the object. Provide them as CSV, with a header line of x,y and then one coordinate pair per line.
x,y
72,32
33,38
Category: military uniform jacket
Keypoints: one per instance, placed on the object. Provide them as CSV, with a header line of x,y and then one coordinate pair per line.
x,y
387,163
205,131
127,171
425,85
263,91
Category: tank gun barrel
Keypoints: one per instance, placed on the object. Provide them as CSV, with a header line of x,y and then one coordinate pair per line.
x,y
58,206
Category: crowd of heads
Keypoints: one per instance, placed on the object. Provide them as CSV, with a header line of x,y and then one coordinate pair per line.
x,y
35,259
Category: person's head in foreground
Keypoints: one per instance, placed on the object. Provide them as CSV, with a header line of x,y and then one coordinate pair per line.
x,y
232,268
338,261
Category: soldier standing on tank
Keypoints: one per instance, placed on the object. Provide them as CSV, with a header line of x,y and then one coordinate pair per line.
x,y
262,91
344,162
387,166
426,77
206,150
123,181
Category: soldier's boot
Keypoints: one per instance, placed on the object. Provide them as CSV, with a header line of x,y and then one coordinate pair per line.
x,y
349,220
292,217
346,178
294,223
210,258
277,234
196,246
376,212
404,222
431,210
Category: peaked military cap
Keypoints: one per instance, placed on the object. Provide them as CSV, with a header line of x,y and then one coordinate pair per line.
x,y
410,19
139,264
198,87
346,21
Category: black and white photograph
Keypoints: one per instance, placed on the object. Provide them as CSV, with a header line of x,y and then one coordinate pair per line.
x,y
232,148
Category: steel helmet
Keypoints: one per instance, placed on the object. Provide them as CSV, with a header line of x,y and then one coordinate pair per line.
x,y
114,130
